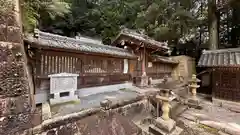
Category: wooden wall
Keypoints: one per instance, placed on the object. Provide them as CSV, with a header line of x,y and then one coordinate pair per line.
x,y
93,70
226,83
159,70
185,68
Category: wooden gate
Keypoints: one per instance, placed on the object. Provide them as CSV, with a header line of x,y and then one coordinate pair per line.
x,y
226,84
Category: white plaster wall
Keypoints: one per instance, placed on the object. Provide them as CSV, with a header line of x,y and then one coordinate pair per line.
x,y
125,66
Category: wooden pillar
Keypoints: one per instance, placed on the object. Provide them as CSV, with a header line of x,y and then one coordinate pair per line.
x,y
144,61
213,25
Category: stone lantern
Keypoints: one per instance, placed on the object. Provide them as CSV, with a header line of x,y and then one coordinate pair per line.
x,y
165,106
193,88
164,125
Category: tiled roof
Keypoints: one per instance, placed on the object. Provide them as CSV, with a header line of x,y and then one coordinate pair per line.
x,y
148,42
220,58
164,59
56,41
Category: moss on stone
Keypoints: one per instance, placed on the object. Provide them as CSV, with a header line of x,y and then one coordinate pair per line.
x,y
208,129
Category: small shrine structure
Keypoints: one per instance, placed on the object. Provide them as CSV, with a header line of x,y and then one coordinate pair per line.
x,y
224,73
152,63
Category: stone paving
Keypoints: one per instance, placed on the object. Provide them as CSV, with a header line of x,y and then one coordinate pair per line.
x,y
215,117
92,101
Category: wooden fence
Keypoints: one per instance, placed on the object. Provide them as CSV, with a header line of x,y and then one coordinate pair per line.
x,y
92,70
159,70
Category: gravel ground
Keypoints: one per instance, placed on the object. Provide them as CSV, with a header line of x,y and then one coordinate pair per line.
x,y
92,101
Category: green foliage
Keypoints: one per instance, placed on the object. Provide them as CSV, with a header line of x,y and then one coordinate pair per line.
x,y
161,19
35,11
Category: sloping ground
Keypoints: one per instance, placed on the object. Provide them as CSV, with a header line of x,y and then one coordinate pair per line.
x,y
113,124
98,124
215,117
116,121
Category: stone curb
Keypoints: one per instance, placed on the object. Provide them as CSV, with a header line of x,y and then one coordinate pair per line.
x,y
221,126
226,128
62,120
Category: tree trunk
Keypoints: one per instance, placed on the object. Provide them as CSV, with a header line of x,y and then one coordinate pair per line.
x,y
213,25
16,95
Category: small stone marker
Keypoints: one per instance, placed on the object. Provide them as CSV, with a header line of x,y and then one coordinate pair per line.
x,y
144,80
63,87
106,104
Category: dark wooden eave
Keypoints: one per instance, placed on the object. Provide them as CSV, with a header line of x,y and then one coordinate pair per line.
x,y
220,58
60,43
140,40
163,59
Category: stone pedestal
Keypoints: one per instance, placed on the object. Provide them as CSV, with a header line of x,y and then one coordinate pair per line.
x,y
141,81
193,100
164,127
63,87
144,81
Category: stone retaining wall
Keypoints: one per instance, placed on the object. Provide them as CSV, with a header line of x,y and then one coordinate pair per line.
x,y
16,110
79,123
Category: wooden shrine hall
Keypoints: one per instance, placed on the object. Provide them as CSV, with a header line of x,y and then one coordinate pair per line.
x,y
220,76
97,64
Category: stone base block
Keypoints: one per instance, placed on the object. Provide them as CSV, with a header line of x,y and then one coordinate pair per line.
x,y
46,111
58,99
141,81
156,131
195,103
166,126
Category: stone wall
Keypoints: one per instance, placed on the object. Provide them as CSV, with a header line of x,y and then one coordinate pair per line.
x,y
94,121
185,68
15,99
